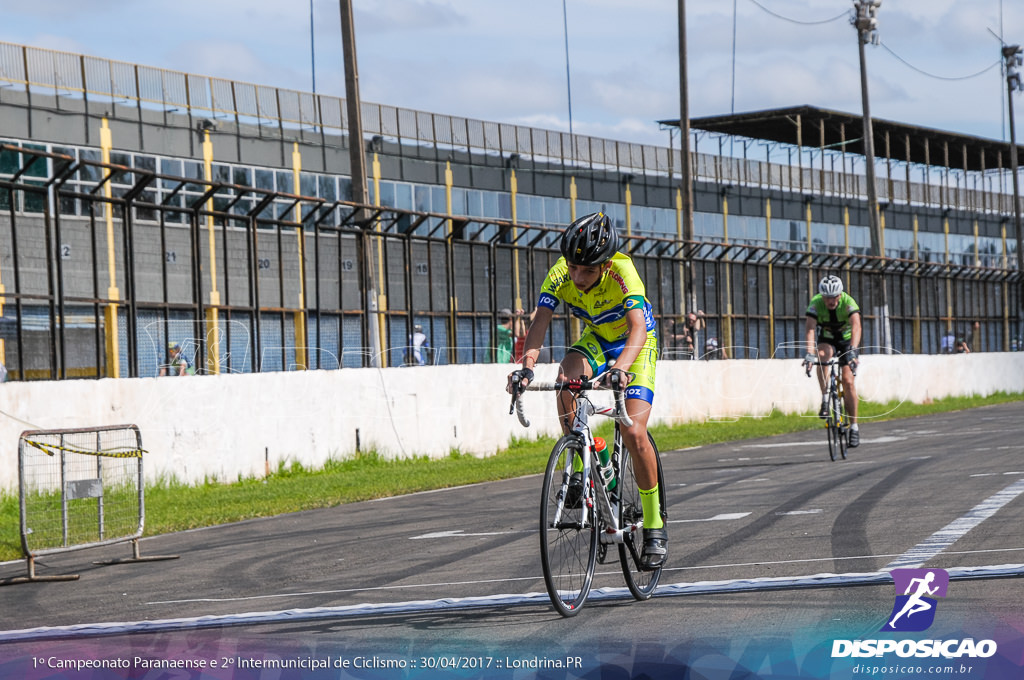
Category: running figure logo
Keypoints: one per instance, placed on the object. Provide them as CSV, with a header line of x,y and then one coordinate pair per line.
x,y
914,609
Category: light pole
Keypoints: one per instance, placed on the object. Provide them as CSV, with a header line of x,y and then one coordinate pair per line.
x,y
1013,60
312,46
360,188
867,27
866,24
685,170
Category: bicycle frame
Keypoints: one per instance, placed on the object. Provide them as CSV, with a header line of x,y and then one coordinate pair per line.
x,y
585,408
579,515
837,417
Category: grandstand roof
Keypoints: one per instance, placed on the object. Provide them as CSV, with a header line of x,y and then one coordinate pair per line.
x,y
812,127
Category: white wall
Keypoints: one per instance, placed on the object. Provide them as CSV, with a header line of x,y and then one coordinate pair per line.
x,y
226,427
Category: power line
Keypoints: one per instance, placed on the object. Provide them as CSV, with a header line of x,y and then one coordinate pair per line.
x,y
797,21
933,75
887,48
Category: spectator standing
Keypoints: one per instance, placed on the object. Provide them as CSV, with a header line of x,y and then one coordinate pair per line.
x,y
520,340
948,343
713,351
510,326
973,337
178,364
685,333
419,346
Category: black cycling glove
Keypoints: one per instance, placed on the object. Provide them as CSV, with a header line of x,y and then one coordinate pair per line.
x,y
617,378
522,374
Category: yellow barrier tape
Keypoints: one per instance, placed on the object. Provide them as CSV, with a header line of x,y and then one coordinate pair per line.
x,y
109,453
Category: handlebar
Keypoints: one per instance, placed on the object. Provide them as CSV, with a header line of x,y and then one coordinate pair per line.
x,y
830,362
576,385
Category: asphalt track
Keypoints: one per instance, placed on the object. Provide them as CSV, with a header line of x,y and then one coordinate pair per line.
x,y
772,546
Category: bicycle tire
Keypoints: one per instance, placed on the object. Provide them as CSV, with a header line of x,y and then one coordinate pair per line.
x,y
832,427
568,551
844,426
641,582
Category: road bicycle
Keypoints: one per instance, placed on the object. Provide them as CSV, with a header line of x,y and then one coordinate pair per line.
x,y
837,423
588,506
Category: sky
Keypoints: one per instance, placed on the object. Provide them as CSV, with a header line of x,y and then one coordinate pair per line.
x,y
937,63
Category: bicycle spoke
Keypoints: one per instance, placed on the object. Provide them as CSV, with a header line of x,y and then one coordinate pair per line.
x,y
641,583
568,536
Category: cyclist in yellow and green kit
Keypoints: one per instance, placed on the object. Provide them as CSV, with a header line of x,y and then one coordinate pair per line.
x,y
601,287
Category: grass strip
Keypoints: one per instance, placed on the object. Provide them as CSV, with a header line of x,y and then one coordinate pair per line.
x,y
175,506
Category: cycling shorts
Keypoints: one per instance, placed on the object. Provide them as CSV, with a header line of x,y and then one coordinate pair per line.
x,y
840,346
599,352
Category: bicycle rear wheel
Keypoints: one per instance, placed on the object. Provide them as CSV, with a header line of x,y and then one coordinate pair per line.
x,y
568,534
641,582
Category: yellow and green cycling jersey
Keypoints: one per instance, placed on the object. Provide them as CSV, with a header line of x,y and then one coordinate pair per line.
x,y
603,310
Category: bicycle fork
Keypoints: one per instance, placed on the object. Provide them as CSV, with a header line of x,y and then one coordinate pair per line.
x,y
586,451
840,412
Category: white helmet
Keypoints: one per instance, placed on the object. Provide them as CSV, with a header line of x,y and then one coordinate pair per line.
x,y
831,286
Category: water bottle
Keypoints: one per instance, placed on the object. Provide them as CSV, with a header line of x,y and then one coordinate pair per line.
x,y
607,472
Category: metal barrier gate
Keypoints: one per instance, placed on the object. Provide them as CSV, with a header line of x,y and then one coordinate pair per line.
x,y
80,488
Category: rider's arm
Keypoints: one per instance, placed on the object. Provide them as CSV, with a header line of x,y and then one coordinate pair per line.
x,y
855,330
810,326
518,325
535,336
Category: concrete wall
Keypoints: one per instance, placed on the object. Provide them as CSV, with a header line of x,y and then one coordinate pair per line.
x,y
230,426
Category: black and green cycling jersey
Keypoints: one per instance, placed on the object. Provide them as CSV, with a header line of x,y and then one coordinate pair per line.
x,y
833,324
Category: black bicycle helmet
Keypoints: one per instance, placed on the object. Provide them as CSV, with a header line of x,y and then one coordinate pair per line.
x,y
590,241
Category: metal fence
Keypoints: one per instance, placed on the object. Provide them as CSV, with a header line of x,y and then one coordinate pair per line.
x,y
274,110
128,90
102,266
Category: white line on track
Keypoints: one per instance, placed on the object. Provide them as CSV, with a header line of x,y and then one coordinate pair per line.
x,y
788,445
946,536
916,556
465,603
449,584
717,518
459,533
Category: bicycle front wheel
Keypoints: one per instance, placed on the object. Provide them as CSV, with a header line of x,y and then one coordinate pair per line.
x,y
835,435
843,425
568,532
641,582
